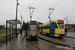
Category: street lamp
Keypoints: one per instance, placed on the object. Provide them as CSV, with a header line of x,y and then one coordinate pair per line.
x,y
16,15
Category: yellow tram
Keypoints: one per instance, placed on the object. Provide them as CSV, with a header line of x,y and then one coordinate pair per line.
x,y
54,28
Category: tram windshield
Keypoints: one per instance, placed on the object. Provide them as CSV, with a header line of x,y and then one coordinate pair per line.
x,y
61,25
33,27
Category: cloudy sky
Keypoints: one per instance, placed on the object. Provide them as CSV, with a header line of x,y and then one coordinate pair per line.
x,y
62,8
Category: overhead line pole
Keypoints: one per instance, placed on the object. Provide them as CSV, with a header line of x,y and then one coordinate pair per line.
x,y
67,22
31,10
50,13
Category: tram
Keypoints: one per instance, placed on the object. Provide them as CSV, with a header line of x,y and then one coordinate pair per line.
x,y
54,28
32,29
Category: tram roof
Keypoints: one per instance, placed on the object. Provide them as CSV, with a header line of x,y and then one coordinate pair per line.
x,y
49,22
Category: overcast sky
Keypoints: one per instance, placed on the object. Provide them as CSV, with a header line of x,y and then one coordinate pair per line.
x,y
65,7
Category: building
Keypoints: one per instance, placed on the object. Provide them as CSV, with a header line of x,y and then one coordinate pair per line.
x,y
70,26
1,27
2,30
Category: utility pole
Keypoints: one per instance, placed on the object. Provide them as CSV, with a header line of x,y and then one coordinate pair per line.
x,y
31,10
21,19
50,12
16,15
70,22
67,21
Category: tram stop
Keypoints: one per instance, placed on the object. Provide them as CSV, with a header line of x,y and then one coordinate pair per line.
x,y
11,29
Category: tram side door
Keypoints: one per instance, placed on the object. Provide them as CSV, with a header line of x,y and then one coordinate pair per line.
x,y
41,29
52,28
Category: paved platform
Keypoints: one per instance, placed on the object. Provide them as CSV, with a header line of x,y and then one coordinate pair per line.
x,y
20,43
71,34
16,44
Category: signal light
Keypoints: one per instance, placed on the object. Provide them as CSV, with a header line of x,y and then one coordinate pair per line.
x,y
61,21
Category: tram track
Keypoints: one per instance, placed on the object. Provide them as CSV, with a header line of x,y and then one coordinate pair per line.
x,y
34,45
69,37
46,43
61,39
43,45
56,43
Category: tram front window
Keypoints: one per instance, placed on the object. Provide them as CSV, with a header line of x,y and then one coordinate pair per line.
x,y
33,27
61,25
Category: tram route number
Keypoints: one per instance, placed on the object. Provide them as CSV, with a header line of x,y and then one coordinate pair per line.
x,y
65,47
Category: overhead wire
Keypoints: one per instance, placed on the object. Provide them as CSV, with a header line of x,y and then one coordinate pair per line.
x,y
21,16
32,3
43,14
19,12
53,6
47,12
57,3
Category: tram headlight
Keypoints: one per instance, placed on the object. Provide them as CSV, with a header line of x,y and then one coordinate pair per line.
x,y
62,31
33,34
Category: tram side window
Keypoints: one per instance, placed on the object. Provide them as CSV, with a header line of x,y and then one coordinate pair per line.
x,y
44,27
48,26
56,25
52,25
39,27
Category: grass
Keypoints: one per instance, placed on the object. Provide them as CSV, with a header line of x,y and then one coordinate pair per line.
x,y
70,30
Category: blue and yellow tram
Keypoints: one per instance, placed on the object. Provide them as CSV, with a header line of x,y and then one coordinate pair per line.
x,y
54,28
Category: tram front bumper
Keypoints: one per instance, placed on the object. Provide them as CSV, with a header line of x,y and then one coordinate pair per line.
x,y
61,34
33,35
